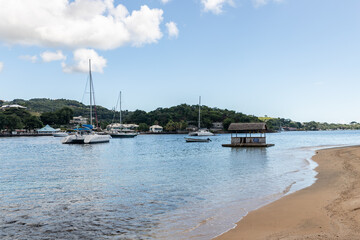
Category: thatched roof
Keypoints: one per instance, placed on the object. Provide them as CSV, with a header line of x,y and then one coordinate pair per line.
x,y
247,127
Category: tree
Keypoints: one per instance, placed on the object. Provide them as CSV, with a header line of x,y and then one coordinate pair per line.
x,y
311,126
21,113
104,124
32,122
143,127
13,122
2,121
170,126
64,115
182,125
137,117
227,122
49,118
273,124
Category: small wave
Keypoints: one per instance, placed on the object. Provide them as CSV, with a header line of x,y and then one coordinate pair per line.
x,y
279,194
203,222
287,189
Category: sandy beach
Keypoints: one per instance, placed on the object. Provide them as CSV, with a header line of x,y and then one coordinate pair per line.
x,y
329,209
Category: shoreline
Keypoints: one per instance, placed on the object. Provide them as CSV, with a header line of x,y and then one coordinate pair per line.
x,y
328,209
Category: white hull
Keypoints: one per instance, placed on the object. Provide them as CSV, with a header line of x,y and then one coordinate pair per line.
x,y
94,138
122,135
197,139
73,139
60,134
201,133
86,139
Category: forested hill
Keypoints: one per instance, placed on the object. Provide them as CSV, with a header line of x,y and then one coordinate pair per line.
x,y
41,105
47,105
182,113
188,114
177,117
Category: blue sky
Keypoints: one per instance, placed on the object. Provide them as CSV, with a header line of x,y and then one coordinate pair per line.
x,y
281,58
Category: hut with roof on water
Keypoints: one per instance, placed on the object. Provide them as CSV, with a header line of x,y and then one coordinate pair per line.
x,y
248,135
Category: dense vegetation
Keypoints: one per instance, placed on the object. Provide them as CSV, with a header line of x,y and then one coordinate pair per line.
x,y
14,118
58,112
181,116
173,118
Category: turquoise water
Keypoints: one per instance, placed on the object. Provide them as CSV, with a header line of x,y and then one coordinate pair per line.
x,y
148,187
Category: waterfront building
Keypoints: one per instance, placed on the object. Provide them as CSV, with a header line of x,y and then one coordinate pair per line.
x,y
79,120
217,127
248,135
156,128
47,129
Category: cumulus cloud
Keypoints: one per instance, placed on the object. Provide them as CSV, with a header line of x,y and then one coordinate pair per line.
x,y
172,29
52,56
260,3
1,66
98,24
81,61
29,58
215,6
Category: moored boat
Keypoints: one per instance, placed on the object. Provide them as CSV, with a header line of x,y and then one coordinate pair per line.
x,y
120,133
60,134
85,135
201,131
197,139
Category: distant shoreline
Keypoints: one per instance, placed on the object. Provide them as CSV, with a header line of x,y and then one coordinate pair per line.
x,y
329,209
26,135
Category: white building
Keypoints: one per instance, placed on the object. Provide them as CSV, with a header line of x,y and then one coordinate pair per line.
x,y
79,120
122,127
12,106
156,128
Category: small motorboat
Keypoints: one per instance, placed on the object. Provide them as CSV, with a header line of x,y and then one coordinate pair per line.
x,y
60,134
118,134
197,139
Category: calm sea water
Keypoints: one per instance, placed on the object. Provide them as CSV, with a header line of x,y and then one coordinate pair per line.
x,y
149,187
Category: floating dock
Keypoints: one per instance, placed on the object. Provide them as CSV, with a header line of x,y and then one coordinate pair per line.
x,y
248,140
248,145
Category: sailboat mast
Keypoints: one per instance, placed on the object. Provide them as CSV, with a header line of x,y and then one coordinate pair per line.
x,y
92,98
199,112
120,111
90,92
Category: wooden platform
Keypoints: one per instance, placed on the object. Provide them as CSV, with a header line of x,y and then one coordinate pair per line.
x,y
248,145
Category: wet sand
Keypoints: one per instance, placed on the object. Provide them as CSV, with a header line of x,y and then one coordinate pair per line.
x,y
329,209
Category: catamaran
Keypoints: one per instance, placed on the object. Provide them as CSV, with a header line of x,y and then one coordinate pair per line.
x,y
85,134
121,133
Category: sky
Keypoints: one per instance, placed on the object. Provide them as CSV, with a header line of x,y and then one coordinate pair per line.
x,y
296,59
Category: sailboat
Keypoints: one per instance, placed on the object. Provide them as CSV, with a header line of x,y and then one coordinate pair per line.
x,y
85,134
120,133
201,131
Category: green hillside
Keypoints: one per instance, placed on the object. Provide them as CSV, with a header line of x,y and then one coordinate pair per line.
x,y
178,114
173,118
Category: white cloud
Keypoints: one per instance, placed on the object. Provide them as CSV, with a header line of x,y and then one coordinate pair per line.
x,y
98,24
81,61
165,1
1,66
172,29
260,3
215,6
32,59
52,56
